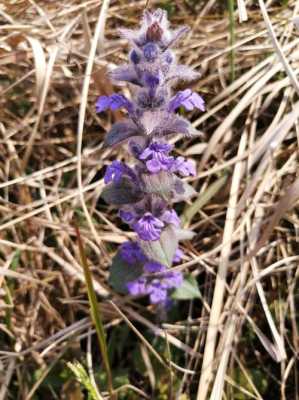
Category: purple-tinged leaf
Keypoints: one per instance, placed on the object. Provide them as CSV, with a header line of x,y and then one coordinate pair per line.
x,y
183,191
163,123
122,192
161,184
120,132
182,72
174,125
126,73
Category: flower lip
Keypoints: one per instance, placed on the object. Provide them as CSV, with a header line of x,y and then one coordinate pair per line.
x,y
188,99
114,102
148,227
156,157
184,167
117,170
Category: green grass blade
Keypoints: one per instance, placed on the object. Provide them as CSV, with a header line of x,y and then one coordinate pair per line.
x,y
96,314
203,199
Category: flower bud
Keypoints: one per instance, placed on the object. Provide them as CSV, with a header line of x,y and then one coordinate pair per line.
x,y
154,33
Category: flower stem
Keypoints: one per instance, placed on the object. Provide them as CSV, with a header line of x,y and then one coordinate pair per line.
x,y
95,312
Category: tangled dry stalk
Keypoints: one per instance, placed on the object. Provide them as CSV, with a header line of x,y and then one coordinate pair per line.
x,y
53,59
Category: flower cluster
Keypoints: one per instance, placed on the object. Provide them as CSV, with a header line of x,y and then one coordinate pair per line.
x,y
149,283
147,191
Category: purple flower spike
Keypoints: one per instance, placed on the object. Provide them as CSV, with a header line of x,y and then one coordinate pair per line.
x,y
147,192
114,102
148,227
188,99
132,253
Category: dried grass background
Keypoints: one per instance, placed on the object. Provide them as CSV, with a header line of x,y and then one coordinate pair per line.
x,y
241,337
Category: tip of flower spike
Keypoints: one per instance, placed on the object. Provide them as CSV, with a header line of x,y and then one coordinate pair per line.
x,y
154,32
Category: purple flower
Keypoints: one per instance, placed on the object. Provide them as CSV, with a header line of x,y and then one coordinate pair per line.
x,y
114,172
178,256
169,57
156,157
152,81
171,217
117,170
148,227
157,292
137,287
172,279
184,167
132,253
188,99
134,57
127,216
150,51
152,267
115,101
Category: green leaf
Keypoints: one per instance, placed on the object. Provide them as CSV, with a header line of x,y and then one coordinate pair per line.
x,y
161,250
121,273
123,192
188,290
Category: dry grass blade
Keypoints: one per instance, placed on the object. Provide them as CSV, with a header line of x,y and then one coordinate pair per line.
x,y
208,358
98,34
40,65
6,379
242,11
286,203
141,337
278,49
